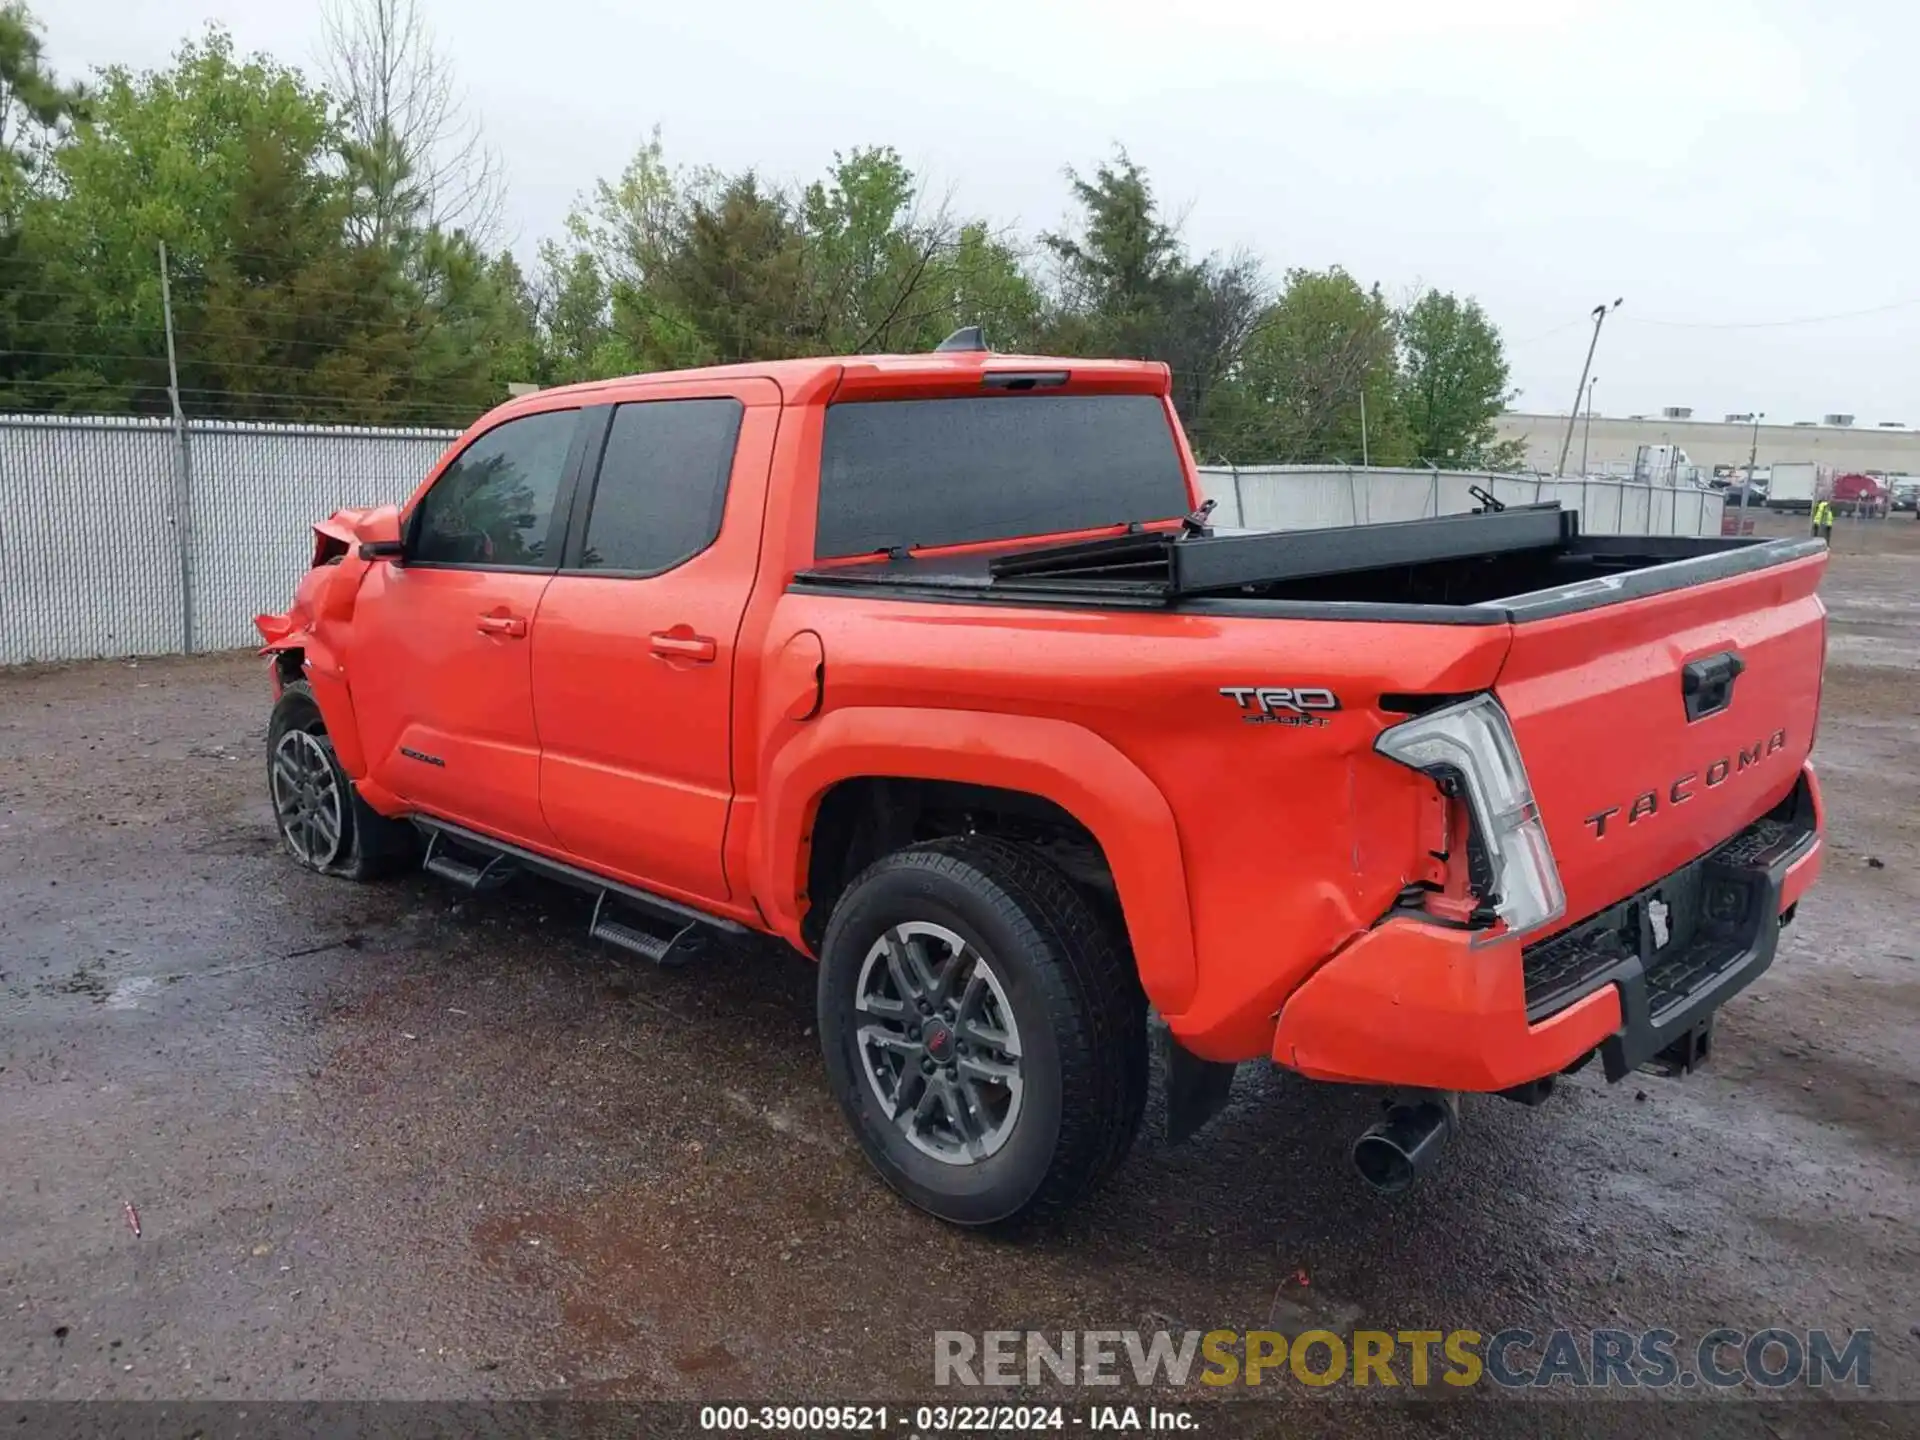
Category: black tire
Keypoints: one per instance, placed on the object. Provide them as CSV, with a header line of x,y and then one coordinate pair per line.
x,y
1069,982
369,845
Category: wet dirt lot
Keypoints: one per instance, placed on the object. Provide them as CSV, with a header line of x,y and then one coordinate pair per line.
x,y
394,1141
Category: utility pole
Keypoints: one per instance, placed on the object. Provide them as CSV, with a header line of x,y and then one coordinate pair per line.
x,y
183,482
1600,313
1587,435
1753,458
1364,461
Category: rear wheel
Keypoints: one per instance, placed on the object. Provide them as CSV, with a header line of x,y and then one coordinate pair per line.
x,y
322,820
983,1030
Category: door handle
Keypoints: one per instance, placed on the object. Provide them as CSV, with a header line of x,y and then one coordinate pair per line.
x,y
682,647
514,627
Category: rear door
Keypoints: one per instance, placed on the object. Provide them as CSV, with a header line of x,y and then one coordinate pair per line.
x,y
633,662
1654,728
441,673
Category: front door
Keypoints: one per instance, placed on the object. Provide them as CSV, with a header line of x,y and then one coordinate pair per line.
x,y
633,658
441,676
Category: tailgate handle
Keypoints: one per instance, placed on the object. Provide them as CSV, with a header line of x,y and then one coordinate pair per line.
x,y
1707,684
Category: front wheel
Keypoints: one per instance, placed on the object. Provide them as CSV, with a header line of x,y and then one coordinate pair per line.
x,y
322,820
983,1030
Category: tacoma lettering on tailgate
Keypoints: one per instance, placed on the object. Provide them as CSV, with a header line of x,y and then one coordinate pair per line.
x,y
1681,788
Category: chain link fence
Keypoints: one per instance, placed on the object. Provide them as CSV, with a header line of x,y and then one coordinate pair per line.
x,y
1306,497
123,536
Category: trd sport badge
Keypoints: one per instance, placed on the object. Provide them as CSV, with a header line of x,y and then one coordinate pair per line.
x,y
1282,704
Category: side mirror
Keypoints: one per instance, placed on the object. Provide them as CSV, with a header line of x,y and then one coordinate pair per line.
x,y
379,534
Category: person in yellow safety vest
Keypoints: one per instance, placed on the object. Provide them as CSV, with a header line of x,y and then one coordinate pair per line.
x,y
1823,520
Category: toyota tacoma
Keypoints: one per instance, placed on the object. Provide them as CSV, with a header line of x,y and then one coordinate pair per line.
x,y
933,667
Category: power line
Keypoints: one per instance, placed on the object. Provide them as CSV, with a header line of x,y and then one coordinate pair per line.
x,y
193,283
1771,324
1548,334
223,336
202,362
8,382
192,262
274,399
424,305
405,398
296,395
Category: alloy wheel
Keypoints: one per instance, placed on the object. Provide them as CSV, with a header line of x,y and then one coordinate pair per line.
x,y
938,1042
307,800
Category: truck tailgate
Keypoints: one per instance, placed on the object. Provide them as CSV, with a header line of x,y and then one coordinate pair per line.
x,y
1638,765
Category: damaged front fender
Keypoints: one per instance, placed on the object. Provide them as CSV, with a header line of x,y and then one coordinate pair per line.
x,y
316,624
327,591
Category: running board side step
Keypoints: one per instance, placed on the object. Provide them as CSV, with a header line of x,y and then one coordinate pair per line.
x,y
490,874
625,915
648,943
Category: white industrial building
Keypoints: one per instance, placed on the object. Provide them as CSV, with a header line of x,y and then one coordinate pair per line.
x,y
1614,442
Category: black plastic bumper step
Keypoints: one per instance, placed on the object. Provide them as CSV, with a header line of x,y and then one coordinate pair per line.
x,y
488,874
656,945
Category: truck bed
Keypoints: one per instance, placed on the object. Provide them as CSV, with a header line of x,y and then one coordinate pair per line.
x,y
1519,564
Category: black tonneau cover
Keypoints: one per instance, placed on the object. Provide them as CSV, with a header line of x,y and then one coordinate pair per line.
x,y
1521,563
1174,565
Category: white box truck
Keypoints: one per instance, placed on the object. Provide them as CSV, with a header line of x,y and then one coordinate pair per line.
x,y
1796,484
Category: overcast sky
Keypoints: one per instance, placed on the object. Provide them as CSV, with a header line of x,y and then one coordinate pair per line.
x,y
1721,166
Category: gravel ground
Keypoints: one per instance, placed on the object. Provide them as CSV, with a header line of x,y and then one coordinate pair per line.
x,y
392,1141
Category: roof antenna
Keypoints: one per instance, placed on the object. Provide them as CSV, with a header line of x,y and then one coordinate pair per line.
x,y
967,337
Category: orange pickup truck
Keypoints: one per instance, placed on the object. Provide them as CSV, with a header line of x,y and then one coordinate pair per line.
x,y
933,667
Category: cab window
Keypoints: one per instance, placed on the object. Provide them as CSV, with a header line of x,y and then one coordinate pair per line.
x,y
494,504
662,485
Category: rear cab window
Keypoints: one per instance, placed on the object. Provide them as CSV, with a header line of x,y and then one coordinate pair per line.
x,y
954,471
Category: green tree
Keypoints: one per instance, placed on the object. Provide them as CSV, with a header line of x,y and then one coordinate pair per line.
x,y
1115,274
284,308
514,332
1454,384
732,288
1296,395
606,306
1128,287
1210,313
35,113
224,161
35,108
985,282
887,272
471,332
665,267
871,259
572,322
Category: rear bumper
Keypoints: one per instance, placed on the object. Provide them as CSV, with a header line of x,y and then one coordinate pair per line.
x,y
1416,1004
